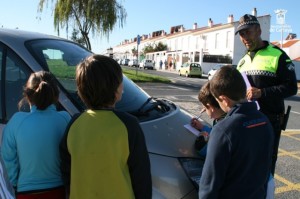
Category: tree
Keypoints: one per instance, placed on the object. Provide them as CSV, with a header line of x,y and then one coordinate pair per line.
x,y
134,51
96,16
77,38
148,49
160,47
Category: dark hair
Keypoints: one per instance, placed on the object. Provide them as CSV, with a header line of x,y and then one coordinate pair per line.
x,y
228,81
40,90
205,96
98,78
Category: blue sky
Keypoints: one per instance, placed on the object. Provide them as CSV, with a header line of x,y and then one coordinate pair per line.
x,y
144,17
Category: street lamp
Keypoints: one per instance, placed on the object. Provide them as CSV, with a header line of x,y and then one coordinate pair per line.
x,y
280,15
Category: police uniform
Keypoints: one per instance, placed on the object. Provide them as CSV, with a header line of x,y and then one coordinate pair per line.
x,y
271,70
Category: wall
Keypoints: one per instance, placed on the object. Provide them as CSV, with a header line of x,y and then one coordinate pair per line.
x,y
297,69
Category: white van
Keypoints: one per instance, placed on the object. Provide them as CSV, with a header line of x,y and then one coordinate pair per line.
x,y
147,64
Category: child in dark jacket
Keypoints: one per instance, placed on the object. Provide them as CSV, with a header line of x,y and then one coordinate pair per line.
x,y
233,167
214,111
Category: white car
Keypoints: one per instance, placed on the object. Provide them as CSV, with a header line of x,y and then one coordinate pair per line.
x,y
133,62
175,166
215,68
147,64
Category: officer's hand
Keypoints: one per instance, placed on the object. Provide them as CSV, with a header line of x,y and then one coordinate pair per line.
x,y
253,93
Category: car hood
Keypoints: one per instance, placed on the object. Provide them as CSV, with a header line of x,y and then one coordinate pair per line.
x,y
168,136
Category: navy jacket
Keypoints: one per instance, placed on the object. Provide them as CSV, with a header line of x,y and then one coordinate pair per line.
x,y
239,156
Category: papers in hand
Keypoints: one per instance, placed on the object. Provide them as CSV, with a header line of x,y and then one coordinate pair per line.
x,y
248,86
192,129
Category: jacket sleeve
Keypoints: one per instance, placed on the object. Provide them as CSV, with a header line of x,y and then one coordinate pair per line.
x,y
65,157
216,164
286,84
138,160
9,153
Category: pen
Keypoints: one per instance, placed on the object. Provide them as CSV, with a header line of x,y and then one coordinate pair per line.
x,y
202,111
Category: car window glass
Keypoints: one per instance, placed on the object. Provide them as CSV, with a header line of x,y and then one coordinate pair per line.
x,y
16,75
61,58
1,54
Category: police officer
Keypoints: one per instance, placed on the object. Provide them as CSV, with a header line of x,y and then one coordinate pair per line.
x,y
271,74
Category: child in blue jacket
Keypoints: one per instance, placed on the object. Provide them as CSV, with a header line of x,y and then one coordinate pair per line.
x,y
214,111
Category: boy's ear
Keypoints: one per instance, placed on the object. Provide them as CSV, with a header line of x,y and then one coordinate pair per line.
x,y
225,100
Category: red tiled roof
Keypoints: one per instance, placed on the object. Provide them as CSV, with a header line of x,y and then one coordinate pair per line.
x,y
275,43
296,59
289,43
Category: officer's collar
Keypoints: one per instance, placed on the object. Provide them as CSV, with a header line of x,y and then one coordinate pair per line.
x,y
266,43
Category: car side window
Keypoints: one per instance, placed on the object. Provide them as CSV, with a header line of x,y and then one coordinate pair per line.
x,y
1,63
16,75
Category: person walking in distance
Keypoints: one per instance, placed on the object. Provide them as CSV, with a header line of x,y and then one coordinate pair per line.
x,y
271,74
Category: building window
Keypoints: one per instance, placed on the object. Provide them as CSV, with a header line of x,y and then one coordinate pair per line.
x,y
217,40
228,39
197,56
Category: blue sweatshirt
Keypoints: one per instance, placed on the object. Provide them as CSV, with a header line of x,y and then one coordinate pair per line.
x,y
30,148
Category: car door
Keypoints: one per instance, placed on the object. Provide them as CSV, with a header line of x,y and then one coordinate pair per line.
x,y
14,74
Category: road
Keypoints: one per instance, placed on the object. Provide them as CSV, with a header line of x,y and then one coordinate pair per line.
x,y
183,91
187,89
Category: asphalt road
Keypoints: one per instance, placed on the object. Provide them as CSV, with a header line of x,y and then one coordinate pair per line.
x,y
184,93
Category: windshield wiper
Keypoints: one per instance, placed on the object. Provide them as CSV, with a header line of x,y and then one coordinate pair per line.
x,y
139,111
158,104
144,104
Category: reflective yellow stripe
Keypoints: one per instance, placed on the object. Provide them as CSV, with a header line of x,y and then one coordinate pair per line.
x,y
264,60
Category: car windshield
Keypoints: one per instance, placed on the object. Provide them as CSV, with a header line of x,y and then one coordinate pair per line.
x,y
61,57
195,65
216,67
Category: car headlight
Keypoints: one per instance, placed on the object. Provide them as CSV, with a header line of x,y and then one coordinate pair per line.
x,y
193,169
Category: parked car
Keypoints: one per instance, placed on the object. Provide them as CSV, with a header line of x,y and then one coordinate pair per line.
x,y
147,64
190,69
119,61
175,165
211,72
125,62
133,62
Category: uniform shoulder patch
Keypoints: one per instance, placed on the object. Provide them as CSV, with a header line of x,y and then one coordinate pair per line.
x,y
240,64
290,66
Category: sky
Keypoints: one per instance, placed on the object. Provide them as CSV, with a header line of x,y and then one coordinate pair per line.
x,y
144,17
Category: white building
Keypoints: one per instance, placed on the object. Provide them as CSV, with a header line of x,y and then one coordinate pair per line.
x,y
207,45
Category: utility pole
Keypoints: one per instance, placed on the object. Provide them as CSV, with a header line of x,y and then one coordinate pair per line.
x,y
280,15
138,41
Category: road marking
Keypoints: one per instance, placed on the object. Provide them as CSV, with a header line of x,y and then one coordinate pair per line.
x,y
290,135
295,112
290,186
292,154
176,87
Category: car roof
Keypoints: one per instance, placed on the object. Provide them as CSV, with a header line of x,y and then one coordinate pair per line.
x,y
14,37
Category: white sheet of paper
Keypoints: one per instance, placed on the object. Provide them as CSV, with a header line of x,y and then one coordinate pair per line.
x,y
192,129
248,86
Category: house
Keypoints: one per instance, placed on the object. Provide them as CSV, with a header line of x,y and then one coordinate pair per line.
x,y
207,45
291,45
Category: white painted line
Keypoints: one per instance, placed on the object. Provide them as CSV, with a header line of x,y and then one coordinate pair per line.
x,y
179,88
295,112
